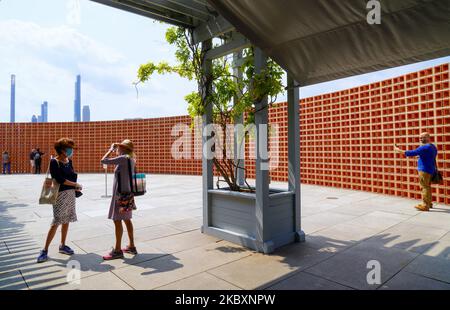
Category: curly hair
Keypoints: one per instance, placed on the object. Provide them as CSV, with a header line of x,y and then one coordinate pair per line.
x,y
63,144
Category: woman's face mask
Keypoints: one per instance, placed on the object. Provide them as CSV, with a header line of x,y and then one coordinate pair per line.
x,y
69,152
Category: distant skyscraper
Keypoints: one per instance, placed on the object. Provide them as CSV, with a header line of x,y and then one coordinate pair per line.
x,y
34,119
13,99
44,112
77,103
39,119
86,114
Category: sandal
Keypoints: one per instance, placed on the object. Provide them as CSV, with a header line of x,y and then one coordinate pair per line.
x,y
113,255
130,250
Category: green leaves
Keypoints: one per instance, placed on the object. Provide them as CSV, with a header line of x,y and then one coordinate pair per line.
x,y
195,107
145,71
230,97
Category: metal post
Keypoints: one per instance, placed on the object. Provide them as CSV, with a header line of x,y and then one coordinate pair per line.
x,y
294,153
262,163
106,182
239,142
207,168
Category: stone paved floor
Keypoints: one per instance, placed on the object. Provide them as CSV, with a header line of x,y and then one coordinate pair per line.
x,y
345,230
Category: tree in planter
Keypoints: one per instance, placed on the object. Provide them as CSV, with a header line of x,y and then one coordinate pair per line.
x,y
246,91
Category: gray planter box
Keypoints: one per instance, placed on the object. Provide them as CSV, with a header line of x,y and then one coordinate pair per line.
x,y
232,217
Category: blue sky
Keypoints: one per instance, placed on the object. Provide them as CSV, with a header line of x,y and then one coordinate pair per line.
x,y
46,43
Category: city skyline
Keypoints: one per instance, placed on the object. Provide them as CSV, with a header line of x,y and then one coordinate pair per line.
x,y
44,112
79,114
43,117
77,101
86,113
106,49
12,112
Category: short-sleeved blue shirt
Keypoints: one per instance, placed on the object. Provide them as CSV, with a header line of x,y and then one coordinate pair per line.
x,y
427,156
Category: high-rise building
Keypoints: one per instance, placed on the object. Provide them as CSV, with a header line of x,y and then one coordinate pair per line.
x,y
39,119
13,99
77,102
86,114
44,112
34,119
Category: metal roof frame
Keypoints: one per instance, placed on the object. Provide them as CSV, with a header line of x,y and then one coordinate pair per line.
x,y
184,13
197,15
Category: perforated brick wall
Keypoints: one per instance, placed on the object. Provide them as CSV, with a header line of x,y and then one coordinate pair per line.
x,y
347,137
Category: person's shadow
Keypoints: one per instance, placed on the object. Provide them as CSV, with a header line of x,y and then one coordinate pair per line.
x,y
94,262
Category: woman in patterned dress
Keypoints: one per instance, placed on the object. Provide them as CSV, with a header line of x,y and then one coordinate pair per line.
x,y
125,156
62,171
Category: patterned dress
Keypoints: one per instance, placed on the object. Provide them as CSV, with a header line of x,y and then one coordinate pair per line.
x,y
64,209
121,173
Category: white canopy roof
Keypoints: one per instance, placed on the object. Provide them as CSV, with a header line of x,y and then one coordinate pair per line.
x,y
315,40
322,40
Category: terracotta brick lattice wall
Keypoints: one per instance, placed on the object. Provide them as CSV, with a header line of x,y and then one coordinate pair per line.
x,y
152,138
346,140
348,136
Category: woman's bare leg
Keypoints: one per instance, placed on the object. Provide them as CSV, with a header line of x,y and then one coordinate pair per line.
x,y
64,230
129,226
50,236
119,233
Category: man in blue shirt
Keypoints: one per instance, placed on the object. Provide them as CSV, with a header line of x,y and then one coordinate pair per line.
x,y
426,165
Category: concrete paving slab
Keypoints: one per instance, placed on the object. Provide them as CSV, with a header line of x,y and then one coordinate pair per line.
x,y
259,271
106,280
361,209
305,281
400,205
349,267
312,207
431,267
201,281
99,243
187,224
171,268
316,222
409,281
440,249
44,276
154,232
54,272
379,220
145,253
173,253
340,236
183,241
434,219
446,237
407,236
12,280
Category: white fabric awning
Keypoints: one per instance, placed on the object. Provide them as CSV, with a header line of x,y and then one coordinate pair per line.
x,y
322,40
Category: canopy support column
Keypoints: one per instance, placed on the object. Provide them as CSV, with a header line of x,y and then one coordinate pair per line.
x,y
262,162
207,165
294,153
239,142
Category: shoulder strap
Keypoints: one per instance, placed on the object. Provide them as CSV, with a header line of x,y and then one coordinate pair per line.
x,y
435,163
119,184
130,175
48,169
49,163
